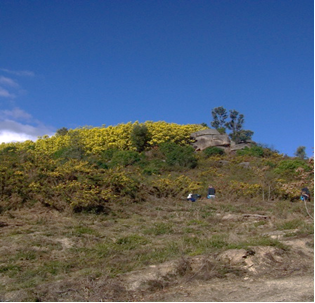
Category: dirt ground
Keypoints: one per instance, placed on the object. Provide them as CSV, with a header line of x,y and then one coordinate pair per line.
x,y
292,289
266,276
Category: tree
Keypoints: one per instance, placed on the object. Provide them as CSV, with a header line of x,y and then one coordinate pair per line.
x,y
219,115
236,121
235,125
242,136
140,136
204,124
300,152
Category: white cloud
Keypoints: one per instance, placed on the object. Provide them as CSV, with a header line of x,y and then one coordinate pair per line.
x,y
7,136
25,73
16,125
13,131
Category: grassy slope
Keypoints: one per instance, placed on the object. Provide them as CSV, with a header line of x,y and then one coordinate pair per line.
x,y
40,244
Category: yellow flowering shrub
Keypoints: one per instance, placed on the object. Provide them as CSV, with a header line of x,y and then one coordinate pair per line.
x,y
172,187
163,132
97,139
243,189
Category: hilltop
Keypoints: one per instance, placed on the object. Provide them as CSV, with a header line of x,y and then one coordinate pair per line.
x,y
101,214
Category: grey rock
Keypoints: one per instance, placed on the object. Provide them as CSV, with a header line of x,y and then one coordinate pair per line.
x,y
209,138
212,138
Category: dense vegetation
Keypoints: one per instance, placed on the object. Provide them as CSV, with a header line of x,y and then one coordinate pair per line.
x,y
89,169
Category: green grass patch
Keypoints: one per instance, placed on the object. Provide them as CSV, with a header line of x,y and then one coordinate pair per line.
x,y
11,269
291,224
197,222
159,229
84,230
258,241
131,242
28,255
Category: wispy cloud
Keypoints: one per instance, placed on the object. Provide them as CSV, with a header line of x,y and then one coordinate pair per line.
x,y
8,82
10,88
25,73
15,123
6,94
16,113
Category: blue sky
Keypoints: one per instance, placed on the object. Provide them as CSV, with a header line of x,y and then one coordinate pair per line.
x,y
74,63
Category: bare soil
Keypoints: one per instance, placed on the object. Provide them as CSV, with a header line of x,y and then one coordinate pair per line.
x,y
266,277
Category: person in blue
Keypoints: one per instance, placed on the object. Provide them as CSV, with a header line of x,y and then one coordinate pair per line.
x,y
305,194
193,197
211,192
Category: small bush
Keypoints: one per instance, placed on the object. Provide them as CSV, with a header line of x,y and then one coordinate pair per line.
x,y
212,151
140,136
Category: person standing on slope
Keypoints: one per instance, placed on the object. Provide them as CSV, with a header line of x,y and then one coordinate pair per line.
x,y
211,192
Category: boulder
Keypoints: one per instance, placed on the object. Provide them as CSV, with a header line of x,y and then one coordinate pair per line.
x,y
209,138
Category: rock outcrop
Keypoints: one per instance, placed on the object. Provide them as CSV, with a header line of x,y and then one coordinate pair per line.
x,y
211,137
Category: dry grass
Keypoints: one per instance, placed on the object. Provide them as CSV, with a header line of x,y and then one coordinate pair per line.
x,y
43,247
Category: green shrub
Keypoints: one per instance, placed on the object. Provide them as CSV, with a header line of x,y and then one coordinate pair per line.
x,y
125,158
177,155
211,151
70,152
290,165
255,151
108,154
152,167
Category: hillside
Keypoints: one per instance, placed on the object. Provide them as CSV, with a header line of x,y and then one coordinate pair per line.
x,y
87,217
